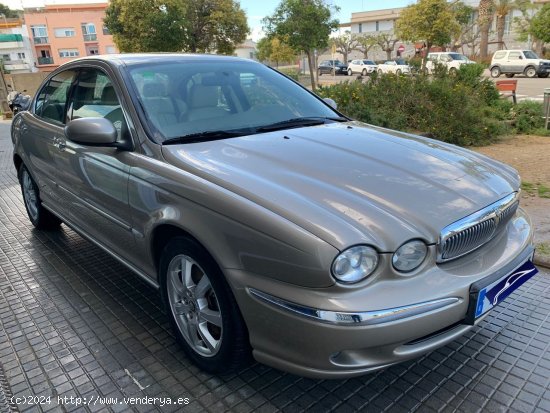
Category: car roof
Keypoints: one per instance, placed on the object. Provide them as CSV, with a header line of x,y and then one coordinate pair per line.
x,y
123,59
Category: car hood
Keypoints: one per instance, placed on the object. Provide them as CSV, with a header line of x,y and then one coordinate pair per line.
x,y
351,183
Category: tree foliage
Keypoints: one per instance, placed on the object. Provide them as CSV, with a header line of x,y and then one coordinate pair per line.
x,y
197,26
9,13
386,42
365,43
306,24
344,44
540,25
431,21
275,50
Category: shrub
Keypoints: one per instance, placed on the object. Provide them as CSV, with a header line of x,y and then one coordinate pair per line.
x,y
453,108
527,116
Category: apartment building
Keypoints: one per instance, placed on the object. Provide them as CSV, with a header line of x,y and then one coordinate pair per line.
x,y
15,47
62,32
383,21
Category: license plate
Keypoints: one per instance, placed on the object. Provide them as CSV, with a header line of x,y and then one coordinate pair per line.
x,y
483,299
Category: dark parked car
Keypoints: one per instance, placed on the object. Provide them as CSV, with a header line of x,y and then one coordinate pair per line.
x,y
332,67
271,224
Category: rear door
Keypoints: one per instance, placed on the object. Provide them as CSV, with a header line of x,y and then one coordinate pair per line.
x,y
42,132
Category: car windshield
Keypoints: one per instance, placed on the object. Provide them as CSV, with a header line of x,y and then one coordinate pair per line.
x,y
457,56
184,98
529,54
369,62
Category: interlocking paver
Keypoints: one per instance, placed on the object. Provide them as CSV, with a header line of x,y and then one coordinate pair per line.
x,y
77,323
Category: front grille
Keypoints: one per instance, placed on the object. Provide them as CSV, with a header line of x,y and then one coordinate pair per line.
x,y
469,239
470,233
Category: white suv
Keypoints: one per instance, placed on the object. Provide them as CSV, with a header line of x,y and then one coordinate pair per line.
x,y
451,60
514,62
365,67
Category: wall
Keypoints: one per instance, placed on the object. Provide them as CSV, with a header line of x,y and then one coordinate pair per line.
x,y
25,81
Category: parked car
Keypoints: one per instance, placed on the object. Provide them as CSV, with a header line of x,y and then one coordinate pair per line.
x,y
362,66
332,67
515,62
271,224
451,60
398,67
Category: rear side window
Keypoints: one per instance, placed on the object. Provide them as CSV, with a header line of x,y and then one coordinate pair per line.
x,y
499,55
515,56
51,102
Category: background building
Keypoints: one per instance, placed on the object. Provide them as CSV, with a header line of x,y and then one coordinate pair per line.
x,y
15,47
61,32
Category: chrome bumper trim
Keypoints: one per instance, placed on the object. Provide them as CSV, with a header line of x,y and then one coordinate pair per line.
x,y
356,318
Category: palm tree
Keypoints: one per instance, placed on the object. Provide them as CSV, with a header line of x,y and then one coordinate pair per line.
x,y
485,18
502,9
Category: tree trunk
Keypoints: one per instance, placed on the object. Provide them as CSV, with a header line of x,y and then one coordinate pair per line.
x,y
388,53
312,70
485,10
538,46
500,31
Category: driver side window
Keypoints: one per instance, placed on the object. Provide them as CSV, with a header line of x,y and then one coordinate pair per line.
x,y
52,100
95,96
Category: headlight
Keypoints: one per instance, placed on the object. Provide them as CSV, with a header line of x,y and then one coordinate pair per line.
x,y
355,264
409,256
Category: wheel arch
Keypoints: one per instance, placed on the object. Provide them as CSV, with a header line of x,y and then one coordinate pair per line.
x,y
163,233
17,161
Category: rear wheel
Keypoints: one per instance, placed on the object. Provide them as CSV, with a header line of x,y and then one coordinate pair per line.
x,y
495,71
40,217
530,72
201,308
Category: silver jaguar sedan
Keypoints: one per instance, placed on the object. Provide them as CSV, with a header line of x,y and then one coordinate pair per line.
x,y
272,225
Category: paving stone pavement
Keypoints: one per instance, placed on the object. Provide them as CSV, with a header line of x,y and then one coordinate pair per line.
x,y
75,322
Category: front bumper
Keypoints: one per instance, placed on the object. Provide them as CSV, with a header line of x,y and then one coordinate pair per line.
x,y
334,347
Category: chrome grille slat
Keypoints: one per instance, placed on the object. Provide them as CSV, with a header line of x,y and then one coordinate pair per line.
x,y
472,232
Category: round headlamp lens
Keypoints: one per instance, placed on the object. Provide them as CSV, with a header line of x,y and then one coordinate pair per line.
x,y
355,264
409,256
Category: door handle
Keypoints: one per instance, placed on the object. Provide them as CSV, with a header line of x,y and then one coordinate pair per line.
x,y
59,143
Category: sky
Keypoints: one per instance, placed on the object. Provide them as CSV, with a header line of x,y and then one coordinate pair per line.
x,y
256,10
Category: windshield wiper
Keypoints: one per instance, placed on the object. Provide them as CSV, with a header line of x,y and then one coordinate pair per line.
x,y
204,137
299,122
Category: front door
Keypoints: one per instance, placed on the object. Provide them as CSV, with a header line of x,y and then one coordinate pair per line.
x,y
96,178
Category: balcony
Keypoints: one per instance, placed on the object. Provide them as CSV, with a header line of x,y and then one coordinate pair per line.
x,y
45,61
90,37
40,40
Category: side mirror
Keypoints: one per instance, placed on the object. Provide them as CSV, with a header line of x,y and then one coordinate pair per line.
x,y
92,132
331,103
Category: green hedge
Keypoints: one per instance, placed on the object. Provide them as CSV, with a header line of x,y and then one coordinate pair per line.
x,y
463,109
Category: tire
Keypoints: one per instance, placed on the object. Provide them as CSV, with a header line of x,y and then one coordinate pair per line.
x,y
453,71
350,72
40,217
509,75
530,72
398,72
543,75
495,71
202,309
364,72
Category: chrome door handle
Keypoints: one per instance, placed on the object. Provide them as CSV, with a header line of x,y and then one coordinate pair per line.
x,y
59,143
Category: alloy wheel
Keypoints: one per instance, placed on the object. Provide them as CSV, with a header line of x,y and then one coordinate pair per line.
x,y
29,195
194,305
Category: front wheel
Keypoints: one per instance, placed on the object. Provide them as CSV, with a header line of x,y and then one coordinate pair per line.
x,y
201,308
364,73
350,72
495,71
530,72
40,217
